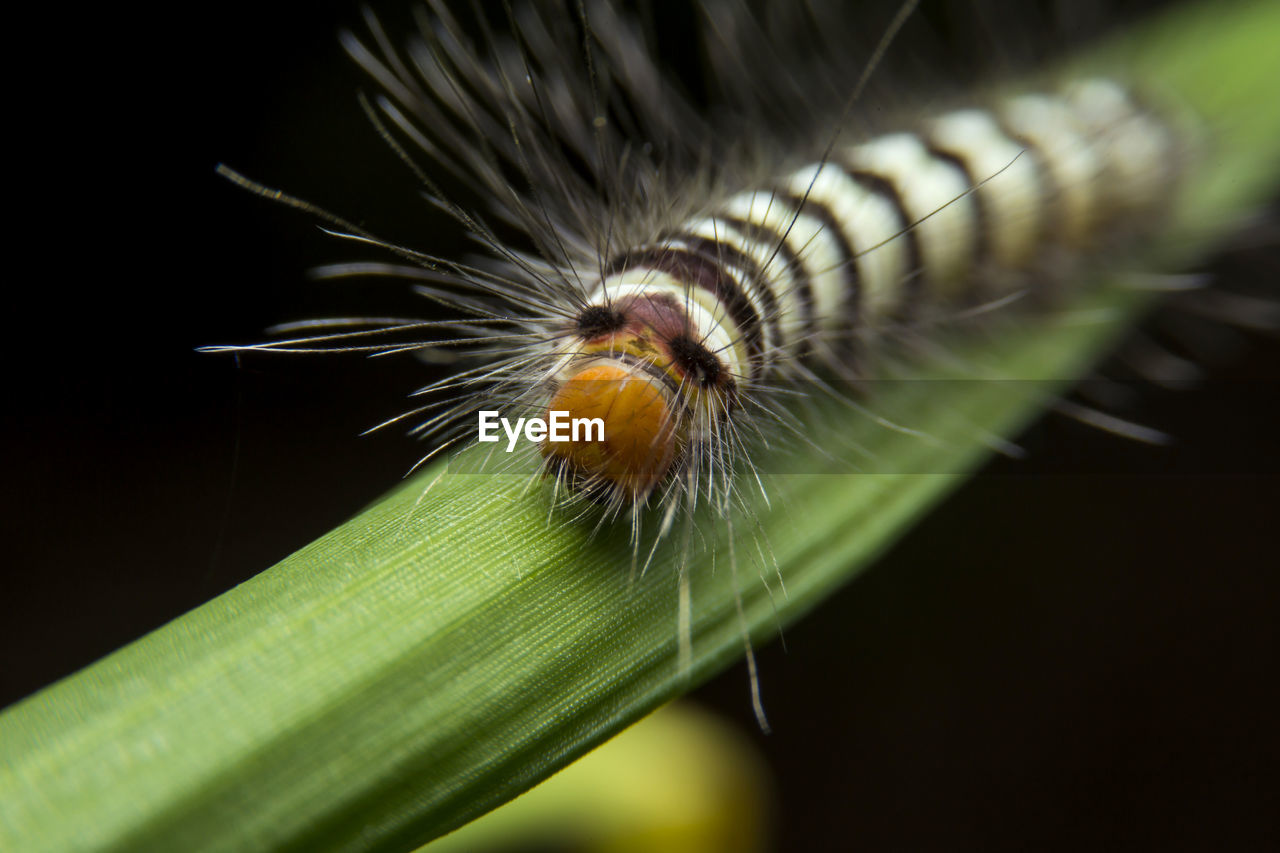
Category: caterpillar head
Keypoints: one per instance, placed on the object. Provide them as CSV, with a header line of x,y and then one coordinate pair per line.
x,y
637,442
639,370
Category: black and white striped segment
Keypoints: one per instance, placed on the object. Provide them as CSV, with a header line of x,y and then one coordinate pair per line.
x,y
904,219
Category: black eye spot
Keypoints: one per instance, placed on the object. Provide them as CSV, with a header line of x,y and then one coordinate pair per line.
x,y
597,320
696,360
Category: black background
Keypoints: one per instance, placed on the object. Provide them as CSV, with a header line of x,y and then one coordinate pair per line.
x,y
1077,649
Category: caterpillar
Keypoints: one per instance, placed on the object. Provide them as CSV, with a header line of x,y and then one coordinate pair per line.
x,y
672,337
678,323
674,333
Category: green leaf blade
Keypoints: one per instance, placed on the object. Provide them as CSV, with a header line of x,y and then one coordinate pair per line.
x,y
435,656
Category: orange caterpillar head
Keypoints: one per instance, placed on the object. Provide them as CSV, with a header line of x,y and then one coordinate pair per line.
x,y
639,370
638,443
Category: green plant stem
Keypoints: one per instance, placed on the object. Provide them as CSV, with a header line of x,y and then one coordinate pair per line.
x,y
440,653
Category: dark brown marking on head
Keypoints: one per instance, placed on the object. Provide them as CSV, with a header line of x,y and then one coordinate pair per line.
x,y
595,321
660,317
696,361
707,273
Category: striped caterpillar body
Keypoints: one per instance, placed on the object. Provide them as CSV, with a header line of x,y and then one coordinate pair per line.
x,y
812,270
669,308
689,297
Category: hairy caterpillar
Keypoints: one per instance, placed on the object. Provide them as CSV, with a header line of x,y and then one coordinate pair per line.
x,y
673,333
871,242
1144,211
829,261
